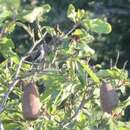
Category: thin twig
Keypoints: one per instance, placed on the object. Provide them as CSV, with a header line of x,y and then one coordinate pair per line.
x,y
38,71
125,63
73,28
27,29
83,101
117,58
111,62
6,95
123,69
16,77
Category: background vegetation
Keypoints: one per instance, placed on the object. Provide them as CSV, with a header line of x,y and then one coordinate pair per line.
x,y
68,48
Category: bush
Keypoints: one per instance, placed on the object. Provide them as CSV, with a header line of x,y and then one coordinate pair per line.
x,y
58,62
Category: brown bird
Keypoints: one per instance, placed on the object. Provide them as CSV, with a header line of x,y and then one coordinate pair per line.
x,y
31,102
108,97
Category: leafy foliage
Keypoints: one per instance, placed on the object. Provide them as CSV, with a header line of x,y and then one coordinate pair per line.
x,y
70,99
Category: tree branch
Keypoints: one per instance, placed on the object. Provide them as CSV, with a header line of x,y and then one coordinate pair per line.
x,y
81,105
16,77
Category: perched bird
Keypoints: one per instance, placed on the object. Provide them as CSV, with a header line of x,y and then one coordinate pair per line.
x,y
39,54
31,102
108,98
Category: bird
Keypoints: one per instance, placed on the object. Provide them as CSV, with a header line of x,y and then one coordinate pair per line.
x,y
39,54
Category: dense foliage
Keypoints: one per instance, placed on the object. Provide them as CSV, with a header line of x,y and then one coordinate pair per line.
x,y
57,54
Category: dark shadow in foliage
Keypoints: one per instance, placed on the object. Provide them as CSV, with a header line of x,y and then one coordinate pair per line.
x,y
127,113
41,87
1,58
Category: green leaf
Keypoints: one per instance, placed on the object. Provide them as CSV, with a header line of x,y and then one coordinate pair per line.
x,y
97,25
79,32
84,35
103,73
10,27
90,72
10,4
71,13
5,14
80,14
6,49
100,26
67,91
36,13
54,87
123,125
81,117
113,73
123,128
112,124
7,42
81,74
15,58
46,8
86,23
50,30
84,50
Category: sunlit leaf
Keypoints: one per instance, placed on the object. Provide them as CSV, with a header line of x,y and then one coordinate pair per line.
x,y
113,73
97,25
67,91
10,27
85,50
112,125
84,36
80,14
15,58
10,4
5,14
90,72
80,73
81,117
50,30
100,26
71,13
36,13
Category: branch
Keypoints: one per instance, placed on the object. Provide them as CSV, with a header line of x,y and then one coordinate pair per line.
x,y
1,126
38,71
16,77
83,101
